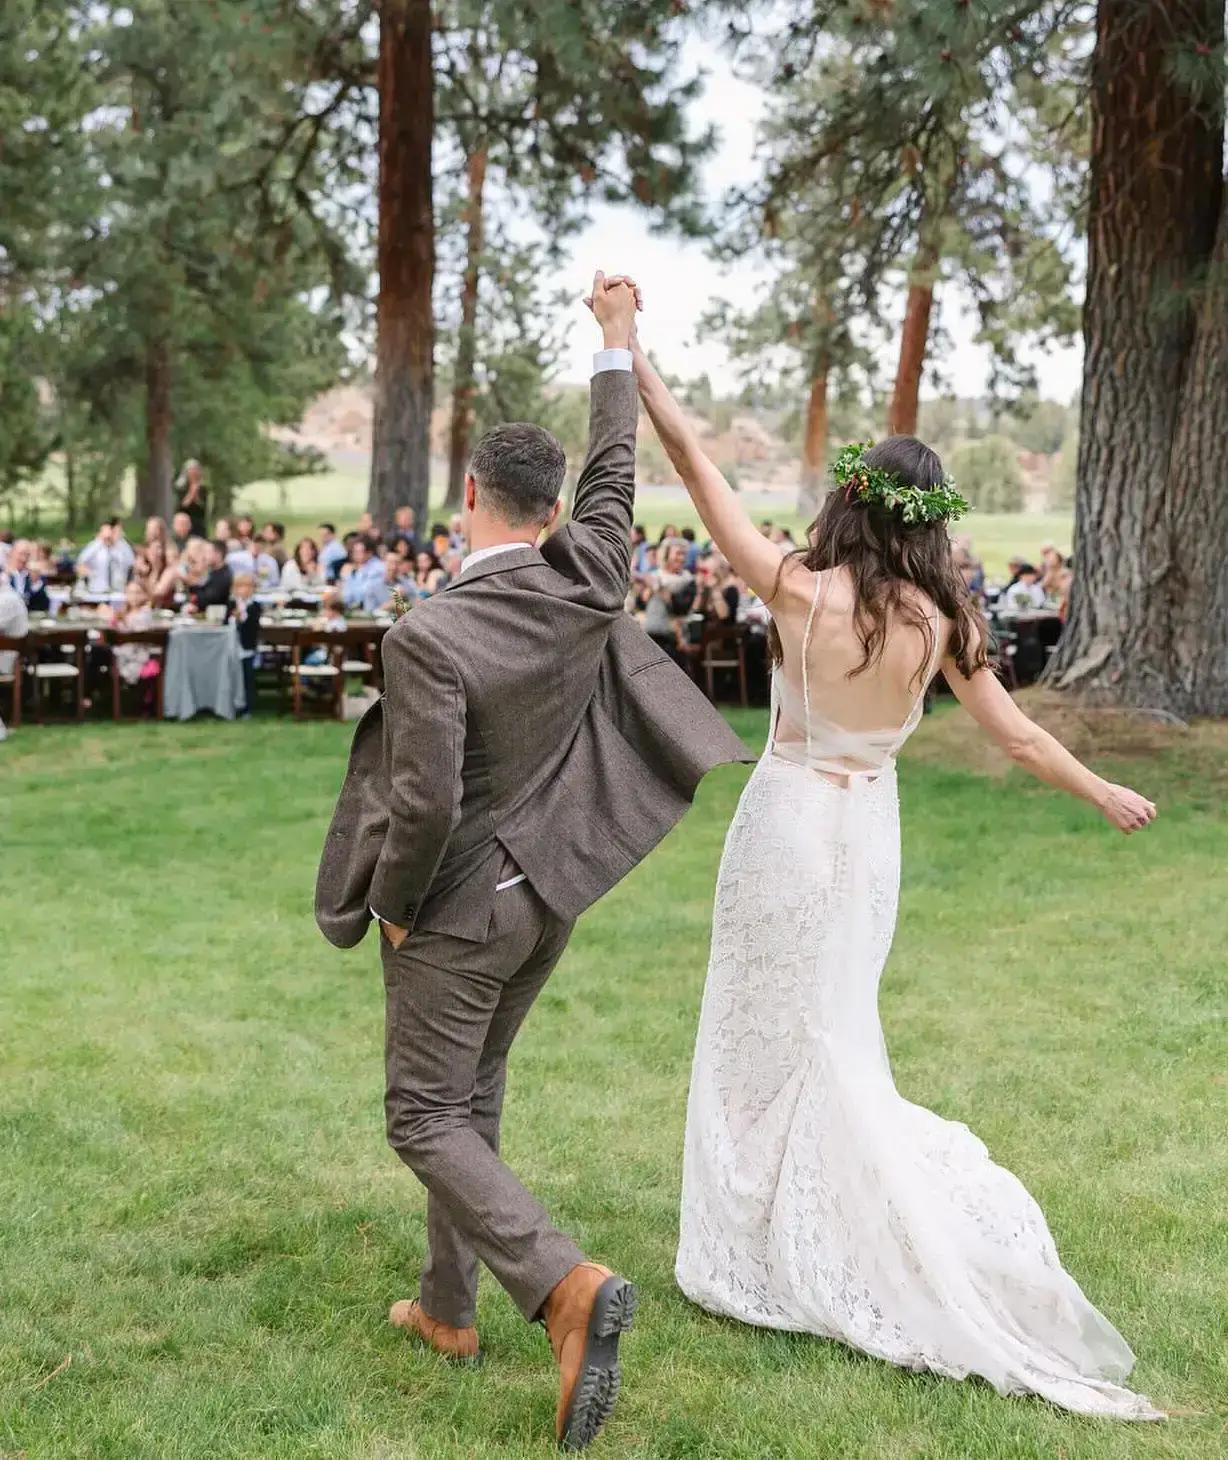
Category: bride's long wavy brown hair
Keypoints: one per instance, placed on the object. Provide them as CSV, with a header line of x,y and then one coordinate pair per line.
x,y
882,554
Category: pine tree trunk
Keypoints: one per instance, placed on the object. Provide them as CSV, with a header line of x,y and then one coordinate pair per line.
x,y
905,398
404,350
464,387
814,441
1149,610
153,498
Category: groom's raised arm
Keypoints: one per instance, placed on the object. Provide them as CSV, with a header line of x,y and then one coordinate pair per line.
x,y
597,541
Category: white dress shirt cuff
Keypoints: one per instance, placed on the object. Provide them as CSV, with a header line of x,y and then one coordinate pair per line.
x,y
612,360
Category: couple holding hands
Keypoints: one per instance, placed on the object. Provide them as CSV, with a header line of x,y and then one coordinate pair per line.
x,y
532,746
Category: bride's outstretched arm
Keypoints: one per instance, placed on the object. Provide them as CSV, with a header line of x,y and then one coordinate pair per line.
x,y
1044,757
752,556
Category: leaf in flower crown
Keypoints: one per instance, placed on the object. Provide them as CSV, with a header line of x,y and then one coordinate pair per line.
x,y
877,488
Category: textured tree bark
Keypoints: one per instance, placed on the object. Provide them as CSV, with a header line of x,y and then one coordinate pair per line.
x,y
905,398
1149,609
404,323
814,441
464,386
153,498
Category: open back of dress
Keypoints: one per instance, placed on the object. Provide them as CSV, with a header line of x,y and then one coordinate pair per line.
x,y
838,722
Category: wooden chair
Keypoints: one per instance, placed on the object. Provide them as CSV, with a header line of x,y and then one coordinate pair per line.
x,y
362,653
45,672
724,647
329,673
19,648
1004,647
154,637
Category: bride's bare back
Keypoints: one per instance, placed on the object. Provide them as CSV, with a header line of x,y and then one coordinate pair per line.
x,y
831,714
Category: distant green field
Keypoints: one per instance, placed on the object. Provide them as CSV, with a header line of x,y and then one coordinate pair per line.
x,y
339,496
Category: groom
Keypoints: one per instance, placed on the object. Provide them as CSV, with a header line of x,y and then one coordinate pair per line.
x,y
532,746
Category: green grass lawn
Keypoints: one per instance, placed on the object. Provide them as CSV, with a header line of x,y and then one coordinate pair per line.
x,y
201,1227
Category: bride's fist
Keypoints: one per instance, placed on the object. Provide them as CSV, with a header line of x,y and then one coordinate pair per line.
x,y
1126,809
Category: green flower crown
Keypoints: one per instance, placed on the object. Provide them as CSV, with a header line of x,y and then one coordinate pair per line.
x,y
878,488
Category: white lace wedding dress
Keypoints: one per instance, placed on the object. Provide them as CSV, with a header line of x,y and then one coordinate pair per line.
x,y
815,1197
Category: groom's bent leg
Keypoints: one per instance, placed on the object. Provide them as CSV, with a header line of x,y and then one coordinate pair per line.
x,y
450,1279
448,1002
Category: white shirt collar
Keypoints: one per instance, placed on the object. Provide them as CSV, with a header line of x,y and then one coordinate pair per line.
x,y
479,555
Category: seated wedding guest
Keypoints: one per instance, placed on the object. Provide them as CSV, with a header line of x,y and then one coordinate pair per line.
x,y
1061,591
132,661
332,551
428,575
692,549
672,592
265,567
304,572
239,555
717,594
169,580
6,542
193,564
181,530
222,530
441,539
155,531
453,564
404,527
193,499
332,620
332,613
362,582
60,561
639,548
105,562
144,570
783,539
14,624
245,614
1025,592
273,535
218,582
245,527
969,566
456,532
24,578
1052,566
397,579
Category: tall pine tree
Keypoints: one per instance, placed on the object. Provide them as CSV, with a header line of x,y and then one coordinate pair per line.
x,y
1149,611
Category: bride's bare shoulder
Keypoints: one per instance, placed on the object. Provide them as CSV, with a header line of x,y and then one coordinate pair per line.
x,y
795,591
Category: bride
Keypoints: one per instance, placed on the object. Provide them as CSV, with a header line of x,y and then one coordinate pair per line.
x,y
815,1196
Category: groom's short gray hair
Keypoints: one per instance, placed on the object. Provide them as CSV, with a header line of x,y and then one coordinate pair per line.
x,y
519,471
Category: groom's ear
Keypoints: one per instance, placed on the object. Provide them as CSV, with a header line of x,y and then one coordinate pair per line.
x,y
471,493
554,514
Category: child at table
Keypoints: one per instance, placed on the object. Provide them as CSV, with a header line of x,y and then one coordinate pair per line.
x,y
245,612
134,663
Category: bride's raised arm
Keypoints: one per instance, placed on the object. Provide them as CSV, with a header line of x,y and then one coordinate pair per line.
x,y
751,555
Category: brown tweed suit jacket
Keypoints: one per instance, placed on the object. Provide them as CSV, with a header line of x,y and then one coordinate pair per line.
x,y
525,716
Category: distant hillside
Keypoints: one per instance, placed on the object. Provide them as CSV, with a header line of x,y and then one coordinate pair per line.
x,y
749,445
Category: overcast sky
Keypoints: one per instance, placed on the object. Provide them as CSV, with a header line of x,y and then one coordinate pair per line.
x,y
680,281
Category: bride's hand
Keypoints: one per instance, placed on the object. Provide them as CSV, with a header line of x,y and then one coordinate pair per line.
x,y
1126,809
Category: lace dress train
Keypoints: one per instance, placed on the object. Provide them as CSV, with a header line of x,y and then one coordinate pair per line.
x,y
815,1197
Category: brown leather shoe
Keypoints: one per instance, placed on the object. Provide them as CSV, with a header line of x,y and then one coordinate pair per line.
x,y
585,1316
459,1344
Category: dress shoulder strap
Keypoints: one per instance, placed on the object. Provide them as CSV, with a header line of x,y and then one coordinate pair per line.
x,y
815,604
